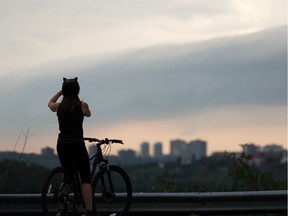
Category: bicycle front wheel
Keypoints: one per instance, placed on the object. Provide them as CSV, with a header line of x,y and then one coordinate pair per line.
x,y
112,191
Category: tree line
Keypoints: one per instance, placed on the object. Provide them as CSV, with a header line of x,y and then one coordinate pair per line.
x,y
227,173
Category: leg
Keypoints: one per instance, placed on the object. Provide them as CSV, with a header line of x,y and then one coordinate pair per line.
x,y
87,196
64,191
84,171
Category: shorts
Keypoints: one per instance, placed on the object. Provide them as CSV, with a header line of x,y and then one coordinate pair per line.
x,y
73,156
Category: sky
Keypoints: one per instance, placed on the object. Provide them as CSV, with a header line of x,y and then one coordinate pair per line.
x,y
42,41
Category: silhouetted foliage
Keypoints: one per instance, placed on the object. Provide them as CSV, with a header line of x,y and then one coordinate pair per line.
x,y
231,172
227,173
17,177
247,177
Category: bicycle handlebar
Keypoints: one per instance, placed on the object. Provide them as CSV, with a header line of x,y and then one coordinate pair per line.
x,y
104,141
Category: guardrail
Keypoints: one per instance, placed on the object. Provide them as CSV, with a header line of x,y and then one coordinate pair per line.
x,y
207,203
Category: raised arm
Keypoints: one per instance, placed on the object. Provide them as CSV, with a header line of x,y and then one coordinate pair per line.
x,y
52,104
85,109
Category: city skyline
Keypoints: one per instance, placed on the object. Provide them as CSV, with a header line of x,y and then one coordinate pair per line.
x,y
48,156
146,153
138,150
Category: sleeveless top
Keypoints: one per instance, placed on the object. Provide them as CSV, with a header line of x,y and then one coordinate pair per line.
x,y
71,122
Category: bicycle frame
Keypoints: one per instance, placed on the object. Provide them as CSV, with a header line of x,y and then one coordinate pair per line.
x,y
98,158
103,165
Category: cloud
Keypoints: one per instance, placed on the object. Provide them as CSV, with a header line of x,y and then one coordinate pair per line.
x,y
167,84
163,81
249,70
33,32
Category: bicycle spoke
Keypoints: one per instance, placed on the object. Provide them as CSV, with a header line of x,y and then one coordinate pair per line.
x,y
114,199
51,192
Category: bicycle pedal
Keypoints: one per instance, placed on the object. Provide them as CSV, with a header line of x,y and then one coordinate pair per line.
x,y
62,198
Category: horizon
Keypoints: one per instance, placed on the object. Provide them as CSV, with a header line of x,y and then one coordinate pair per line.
x,y
151,145
137,152
167,151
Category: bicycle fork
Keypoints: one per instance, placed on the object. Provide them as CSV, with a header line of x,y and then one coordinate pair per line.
x,y
107,186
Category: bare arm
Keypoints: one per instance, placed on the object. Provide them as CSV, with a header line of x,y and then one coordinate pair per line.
x,y
53,105
85,109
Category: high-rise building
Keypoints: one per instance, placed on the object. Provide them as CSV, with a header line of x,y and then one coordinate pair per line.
x,y
177,147
126,155
200,147
144,150
157,153
194,150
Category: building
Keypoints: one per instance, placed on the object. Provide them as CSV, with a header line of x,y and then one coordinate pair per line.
x,y
273,149
200,149
194,150
157,151
251,149
144,150
177,147
126,155
47,152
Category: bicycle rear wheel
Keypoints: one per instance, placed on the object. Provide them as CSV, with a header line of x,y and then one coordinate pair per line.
x,y
51,191
114,195
58,194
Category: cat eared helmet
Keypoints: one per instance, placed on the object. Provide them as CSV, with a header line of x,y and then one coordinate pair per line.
x,y
70,86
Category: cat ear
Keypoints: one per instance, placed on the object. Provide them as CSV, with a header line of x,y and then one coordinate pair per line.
x,y
76,78
64,79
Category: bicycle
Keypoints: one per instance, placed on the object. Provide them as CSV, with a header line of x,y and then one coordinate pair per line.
x,y
111,186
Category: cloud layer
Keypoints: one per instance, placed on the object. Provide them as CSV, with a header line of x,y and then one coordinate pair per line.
x,y
166,80
156,83
33,32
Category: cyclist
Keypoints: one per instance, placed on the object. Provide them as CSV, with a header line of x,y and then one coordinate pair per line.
x,y
71,147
